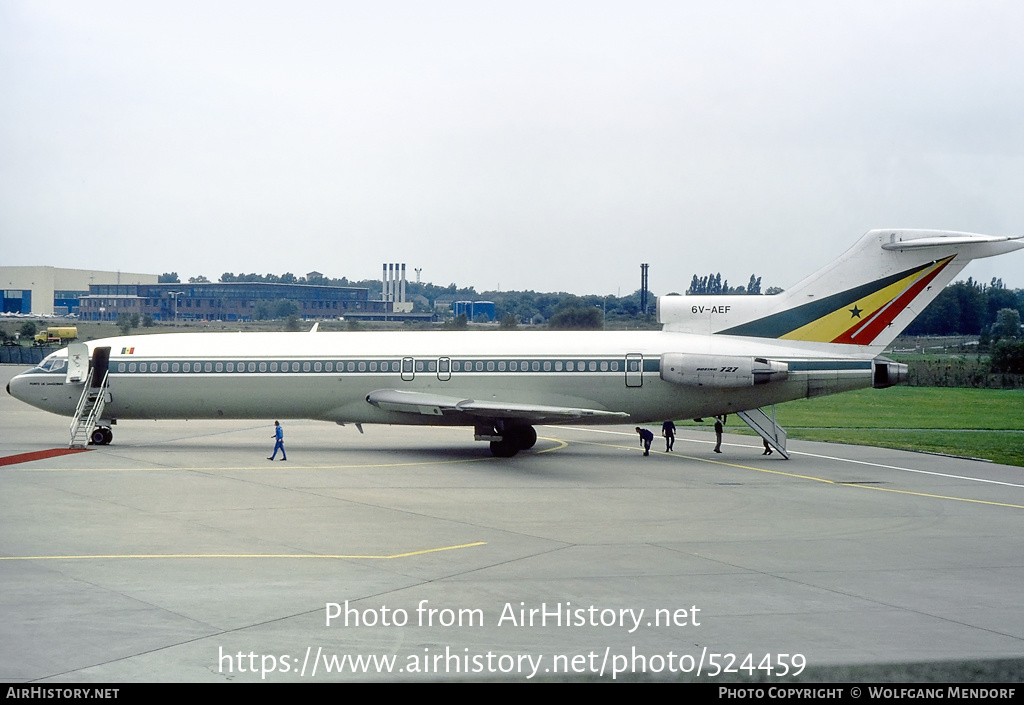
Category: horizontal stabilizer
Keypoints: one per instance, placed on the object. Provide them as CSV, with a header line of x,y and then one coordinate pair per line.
x,y
958,239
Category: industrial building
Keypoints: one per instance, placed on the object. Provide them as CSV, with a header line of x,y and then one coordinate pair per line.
x,y
53,291
104,296
474,310
223,301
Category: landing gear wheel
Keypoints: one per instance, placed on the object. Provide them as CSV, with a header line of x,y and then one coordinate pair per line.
x,y
101,436
526,437
522,437
514,439
504,448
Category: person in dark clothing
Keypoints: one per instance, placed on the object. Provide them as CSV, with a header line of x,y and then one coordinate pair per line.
x,y
718,434
767,448
668,430
646,437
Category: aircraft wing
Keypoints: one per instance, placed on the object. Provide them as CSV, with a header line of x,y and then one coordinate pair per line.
x,y
437,405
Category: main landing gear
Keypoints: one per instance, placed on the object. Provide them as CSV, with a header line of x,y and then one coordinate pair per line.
x,y
507,441
101,436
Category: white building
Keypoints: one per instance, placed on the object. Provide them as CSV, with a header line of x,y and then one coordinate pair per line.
x,y
50,290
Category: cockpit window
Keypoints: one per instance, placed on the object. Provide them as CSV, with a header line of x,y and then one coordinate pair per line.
x,y
52,363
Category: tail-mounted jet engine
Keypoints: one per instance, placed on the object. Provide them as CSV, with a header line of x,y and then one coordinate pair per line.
x,y
887,373
721,371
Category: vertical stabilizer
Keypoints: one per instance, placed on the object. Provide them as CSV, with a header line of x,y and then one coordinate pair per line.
x,y
865,298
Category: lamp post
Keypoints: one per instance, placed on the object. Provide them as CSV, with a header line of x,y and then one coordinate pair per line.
x,y
175,295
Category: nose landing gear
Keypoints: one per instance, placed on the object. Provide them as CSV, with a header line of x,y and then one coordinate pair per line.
x,y
101,436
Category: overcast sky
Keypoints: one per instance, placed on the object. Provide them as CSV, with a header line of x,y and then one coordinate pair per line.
x,y
523,145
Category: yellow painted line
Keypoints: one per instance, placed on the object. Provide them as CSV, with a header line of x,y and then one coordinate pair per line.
x,y
560,444
242,555
814,479
933,496
258,468
713,462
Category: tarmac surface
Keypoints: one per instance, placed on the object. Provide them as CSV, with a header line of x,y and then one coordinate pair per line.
x,y
180,553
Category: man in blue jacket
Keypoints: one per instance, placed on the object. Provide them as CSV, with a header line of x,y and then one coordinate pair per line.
x,y
279,435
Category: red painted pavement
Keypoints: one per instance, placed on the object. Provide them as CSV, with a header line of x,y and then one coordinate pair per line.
x,y
39,455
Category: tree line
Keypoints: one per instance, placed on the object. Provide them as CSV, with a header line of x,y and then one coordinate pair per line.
x,y
962,308
968,308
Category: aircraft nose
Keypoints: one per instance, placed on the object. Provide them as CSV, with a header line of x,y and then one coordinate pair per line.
x,y
18,388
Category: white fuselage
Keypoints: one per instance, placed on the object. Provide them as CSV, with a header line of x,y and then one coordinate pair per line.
x,y
329,375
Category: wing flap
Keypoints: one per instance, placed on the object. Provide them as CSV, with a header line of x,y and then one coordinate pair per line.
x,y
437,405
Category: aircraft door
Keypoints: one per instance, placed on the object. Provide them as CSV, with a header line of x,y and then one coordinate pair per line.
x,y
78,363
634,370
408,369
444,368
100,364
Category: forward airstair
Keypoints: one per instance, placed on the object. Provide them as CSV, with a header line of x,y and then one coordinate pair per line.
x,y
766,427
89,411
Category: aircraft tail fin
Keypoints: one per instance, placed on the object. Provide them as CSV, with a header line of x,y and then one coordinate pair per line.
x,y
865,298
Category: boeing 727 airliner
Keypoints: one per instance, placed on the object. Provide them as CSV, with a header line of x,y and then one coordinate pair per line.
x,y
714,355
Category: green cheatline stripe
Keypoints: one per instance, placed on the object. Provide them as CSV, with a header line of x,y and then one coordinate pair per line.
x,y
779,324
